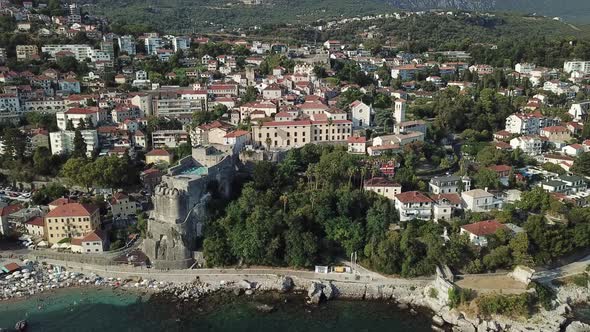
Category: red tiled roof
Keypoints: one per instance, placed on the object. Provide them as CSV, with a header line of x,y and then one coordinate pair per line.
x,y
413,197
353,139
500,168
554,129
381,182
158,152
76,242
72,210
36,221
483,228
93,237
237,133
452,198
10,209
61,201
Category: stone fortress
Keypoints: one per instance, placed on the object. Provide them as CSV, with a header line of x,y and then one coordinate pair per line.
x,y
180,206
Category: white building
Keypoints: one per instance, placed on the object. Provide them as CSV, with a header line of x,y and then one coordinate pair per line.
x,y
89,116
530,145
413,205
127,44
527,123
63,141
524,68
399,111
383,187
448,184
152,44
578,111
478,200
581,66
122,206
181,43
361,114
9,102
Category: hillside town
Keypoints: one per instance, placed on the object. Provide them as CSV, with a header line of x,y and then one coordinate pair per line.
x,y
135,149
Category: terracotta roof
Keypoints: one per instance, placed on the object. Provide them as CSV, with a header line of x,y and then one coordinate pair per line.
x,y
93,237
413,197
554,129
483,228
500,168
36,221
72,210
76,242
158,152
452,198
237,133
61,201
353,139
381,182
10,209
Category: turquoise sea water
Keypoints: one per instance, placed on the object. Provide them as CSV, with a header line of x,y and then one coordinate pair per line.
x,y
108,310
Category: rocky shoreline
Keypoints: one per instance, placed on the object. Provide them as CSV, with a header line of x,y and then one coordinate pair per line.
x,y
36,278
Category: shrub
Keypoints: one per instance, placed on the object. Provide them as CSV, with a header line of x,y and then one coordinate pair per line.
x,y
433,293
507,305
544,294
458,296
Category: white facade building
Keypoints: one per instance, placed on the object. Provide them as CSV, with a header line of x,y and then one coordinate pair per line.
x,y
63,141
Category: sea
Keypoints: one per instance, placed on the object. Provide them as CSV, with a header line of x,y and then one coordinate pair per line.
x,y
118,310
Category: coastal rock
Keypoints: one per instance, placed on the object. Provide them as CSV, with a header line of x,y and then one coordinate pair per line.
x,y
437,320
245,284
329,291
314,292
451,316
464,326
286,284
577,326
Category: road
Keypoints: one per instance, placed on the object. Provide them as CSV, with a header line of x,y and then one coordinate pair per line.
x,y
214,276
563,271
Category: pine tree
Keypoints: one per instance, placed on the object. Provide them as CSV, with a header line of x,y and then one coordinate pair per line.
x,y
79,145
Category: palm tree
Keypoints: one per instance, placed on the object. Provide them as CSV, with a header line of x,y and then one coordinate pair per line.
x,y
284,199
268,141
363,173
351,173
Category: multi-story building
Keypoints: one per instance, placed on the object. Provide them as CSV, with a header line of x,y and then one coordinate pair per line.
x,y
153,44
63,141
89,116
45,105
448,184
383,187
122,206
528,123
413,205
71,220
9,103
26,52
478,200
169,138
181,43
581,66
122,112
296,133
480,231
127,44
80,51
524,68
556,134
531,145
579,111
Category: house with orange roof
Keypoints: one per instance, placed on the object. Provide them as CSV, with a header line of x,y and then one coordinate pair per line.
x,y
71,220
5,214
480,231
413,205
357,145
36,227
122,205
383,186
